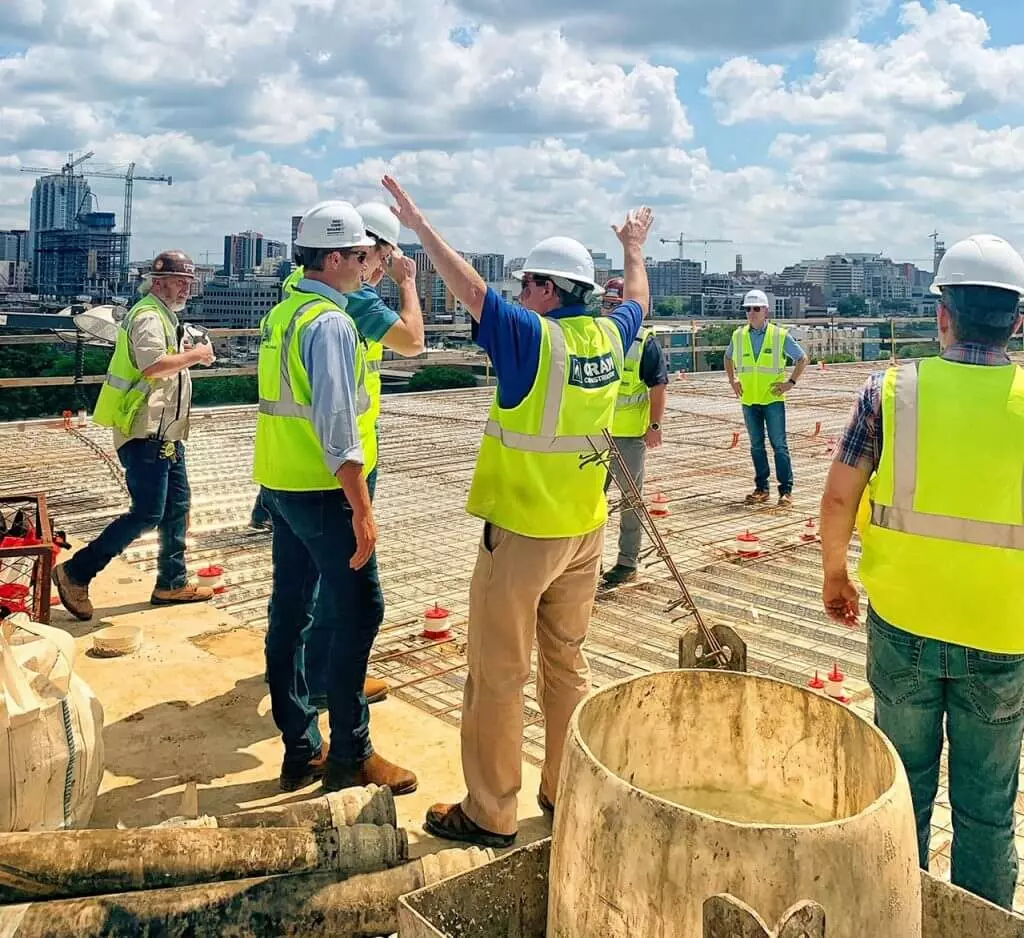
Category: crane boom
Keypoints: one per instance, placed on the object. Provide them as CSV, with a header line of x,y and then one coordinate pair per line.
x,y
682,240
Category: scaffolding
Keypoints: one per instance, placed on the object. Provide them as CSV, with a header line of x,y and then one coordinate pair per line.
x,y
83,262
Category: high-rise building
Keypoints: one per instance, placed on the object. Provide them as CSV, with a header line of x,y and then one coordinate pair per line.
x,y
86,260
14,245
273,249
489,266
243,252
739,265
57,203
676,277
13,276
295,230
233,303
602,267
844,275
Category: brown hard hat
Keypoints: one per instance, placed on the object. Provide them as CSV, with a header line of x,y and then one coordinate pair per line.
x,y
173,264
614,288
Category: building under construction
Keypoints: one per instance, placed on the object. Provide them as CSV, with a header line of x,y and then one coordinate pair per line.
x,y
86,260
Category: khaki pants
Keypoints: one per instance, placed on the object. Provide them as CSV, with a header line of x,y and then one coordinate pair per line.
x,y
523,587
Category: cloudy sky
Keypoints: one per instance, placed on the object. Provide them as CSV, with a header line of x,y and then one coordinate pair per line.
x,y
793,127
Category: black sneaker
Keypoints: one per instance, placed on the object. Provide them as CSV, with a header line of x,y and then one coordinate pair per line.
x,y
619,574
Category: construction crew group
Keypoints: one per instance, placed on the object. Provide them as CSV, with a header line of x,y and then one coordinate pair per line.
x,y
942,523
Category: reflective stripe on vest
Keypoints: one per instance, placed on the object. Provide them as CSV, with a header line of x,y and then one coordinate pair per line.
x,y
530,476
942,520
125,390
758,374
901,516
287,406
633,405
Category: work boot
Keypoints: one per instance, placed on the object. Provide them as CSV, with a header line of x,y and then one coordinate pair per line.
x,y
619,574
757,497
373,771
74,596
450,822
187,594
785,500
296,776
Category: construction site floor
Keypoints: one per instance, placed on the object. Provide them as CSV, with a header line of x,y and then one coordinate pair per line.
x,y
191,706
198,679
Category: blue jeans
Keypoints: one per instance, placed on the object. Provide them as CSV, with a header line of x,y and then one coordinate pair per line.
x,y
312,542
758,417
318,642
918,683
160,498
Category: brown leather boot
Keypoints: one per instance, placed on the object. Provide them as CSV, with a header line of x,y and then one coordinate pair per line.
x,y
74,596
375,690
187,594
374,771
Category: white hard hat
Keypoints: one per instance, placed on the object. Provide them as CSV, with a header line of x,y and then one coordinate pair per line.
x,y
380,221
562,259
334,224
981,260
755,298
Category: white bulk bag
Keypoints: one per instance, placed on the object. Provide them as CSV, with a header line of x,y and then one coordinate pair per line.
x,y
51,731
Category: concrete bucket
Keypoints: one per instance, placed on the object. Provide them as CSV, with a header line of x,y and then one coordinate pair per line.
x,y
685,785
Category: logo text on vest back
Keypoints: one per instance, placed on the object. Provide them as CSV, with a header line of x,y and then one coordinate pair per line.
x,y
590,373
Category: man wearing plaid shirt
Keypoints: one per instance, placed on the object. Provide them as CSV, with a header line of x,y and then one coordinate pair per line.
x,y
931,469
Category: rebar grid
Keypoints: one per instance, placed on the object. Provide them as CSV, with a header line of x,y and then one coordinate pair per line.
x,y
428,543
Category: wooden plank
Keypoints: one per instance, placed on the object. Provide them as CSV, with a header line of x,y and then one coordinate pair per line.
x,y
63,380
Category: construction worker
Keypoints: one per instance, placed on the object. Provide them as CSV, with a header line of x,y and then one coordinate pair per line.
x,y
639,412
558,370
146,398
755,363
379,326
933,457
315,445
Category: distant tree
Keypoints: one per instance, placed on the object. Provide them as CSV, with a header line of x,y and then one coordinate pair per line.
x,y
441,377
924,350
671,307
850,306
712,336
837,358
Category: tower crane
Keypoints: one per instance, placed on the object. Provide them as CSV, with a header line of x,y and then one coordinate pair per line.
x,y
682,241
129,177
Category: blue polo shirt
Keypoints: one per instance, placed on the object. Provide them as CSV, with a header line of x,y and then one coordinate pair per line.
x,y
510,334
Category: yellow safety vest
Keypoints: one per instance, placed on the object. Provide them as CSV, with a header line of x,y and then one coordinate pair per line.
x,y
633,406
757,375
289,456
942,526
529,478
125,389
373,351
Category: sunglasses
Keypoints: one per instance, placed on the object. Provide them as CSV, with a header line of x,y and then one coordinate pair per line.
x,y
535,281
360,256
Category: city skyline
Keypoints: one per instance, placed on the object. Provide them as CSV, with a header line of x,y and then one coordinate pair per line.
x,y
794,129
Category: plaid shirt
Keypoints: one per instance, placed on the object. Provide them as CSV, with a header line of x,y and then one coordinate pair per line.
x,y
861,443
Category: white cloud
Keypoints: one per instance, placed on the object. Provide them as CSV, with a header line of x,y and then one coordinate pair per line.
x,y
282,72
694,25
941,67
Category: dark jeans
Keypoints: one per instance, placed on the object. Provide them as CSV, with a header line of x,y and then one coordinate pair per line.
x,y
260,516
758,417
160,498
318,642
919,683
313,541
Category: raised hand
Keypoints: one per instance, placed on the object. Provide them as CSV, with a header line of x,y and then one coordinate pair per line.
x,y
405,209
636,227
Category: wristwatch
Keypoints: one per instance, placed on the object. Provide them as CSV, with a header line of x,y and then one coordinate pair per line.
x,y
654,426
